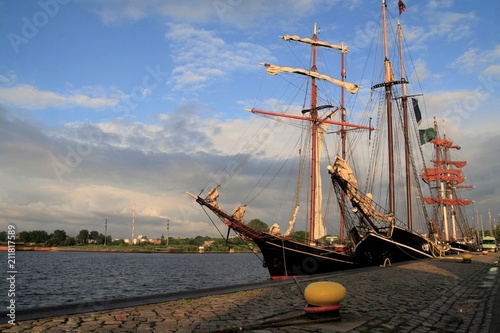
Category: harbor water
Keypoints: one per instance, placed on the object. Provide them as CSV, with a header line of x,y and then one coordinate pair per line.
x,y
58,278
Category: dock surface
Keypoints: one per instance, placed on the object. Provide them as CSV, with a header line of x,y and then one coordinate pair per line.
x,y
435,295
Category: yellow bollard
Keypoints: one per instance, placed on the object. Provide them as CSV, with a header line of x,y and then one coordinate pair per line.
x,y
467,257
323,297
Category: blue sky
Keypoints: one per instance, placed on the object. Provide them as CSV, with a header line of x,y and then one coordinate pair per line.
x,y
107,103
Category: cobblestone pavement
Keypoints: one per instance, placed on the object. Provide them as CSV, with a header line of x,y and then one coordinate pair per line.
x,y
439,295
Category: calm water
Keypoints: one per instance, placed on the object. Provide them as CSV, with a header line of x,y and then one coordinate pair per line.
x,y
58,278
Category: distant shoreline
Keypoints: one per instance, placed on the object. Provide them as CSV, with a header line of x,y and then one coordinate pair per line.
x,y
110,248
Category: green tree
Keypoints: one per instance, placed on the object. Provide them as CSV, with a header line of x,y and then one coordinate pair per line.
x,y
24,236
118,242
300,235
100,239
258,225
40,236
35,236
83,236
93,236
58,237
69,241
3,236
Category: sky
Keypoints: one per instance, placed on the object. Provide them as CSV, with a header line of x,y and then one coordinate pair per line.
x,y
109,104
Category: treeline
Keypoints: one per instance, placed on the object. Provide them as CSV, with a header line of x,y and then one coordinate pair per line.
x,y
58,238
61,238
85,237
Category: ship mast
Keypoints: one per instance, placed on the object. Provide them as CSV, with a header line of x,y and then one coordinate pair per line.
x,y
449,191
318,124
343,135
447,180
404,101
314,143
388,100
442,186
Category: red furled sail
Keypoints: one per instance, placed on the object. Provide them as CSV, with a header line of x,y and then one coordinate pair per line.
x,y
456,164
446,201
448,175
445,143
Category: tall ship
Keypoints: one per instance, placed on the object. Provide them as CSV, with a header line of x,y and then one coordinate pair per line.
x,y
375,223
447,181
387,220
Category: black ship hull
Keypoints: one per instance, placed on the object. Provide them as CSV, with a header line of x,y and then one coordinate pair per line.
x,y
375,249
285,258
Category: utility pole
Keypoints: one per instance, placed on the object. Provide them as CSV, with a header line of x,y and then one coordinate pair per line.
x,y
489,220
105,230
133,225
168,230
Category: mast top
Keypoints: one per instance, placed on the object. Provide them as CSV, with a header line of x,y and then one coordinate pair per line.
x,y
315,29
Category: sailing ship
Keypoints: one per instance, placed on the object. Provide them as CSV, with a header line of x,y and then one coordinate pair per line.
x,y
283,255
368,234
447,183
389,234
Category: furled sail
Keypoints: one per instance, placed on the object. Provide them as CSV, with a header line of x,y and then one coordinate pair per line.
x,y
319,227
291,223
449,175
315,42
446,201
275,70
456,164
445,143
343,175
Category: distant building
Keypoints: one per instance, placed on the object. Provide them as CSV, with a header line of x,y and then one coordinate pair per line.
x,y
155,241
208,243
141,239
331,239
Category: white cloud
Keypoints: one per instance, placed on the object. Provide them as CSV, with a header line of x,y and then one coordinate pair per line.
x,y
30,97
9,78
202,57
438,4
474,58
453,26
118,11
241,14
493,70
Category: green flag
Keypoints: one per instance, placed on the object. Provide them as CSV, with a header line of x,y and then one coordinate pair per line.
x,y
426,135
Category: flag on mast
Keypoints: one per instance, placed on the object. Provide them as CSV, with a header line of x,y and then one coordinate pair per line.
x,y
416,109
401,7
426,135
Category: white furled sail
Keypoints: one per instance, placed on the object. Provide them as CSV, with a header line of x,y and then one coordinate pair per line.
x,y
275,70
313,42
291,223
319,228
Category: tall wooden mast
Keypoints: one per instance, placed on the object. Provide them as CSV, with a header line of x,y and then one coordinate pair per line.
x,y
388,101
317,124
343,138
314,140
404,102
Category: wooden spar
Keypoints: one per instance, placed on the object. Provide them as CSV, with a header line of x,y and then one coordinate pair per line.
x,y
404,100
319,120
